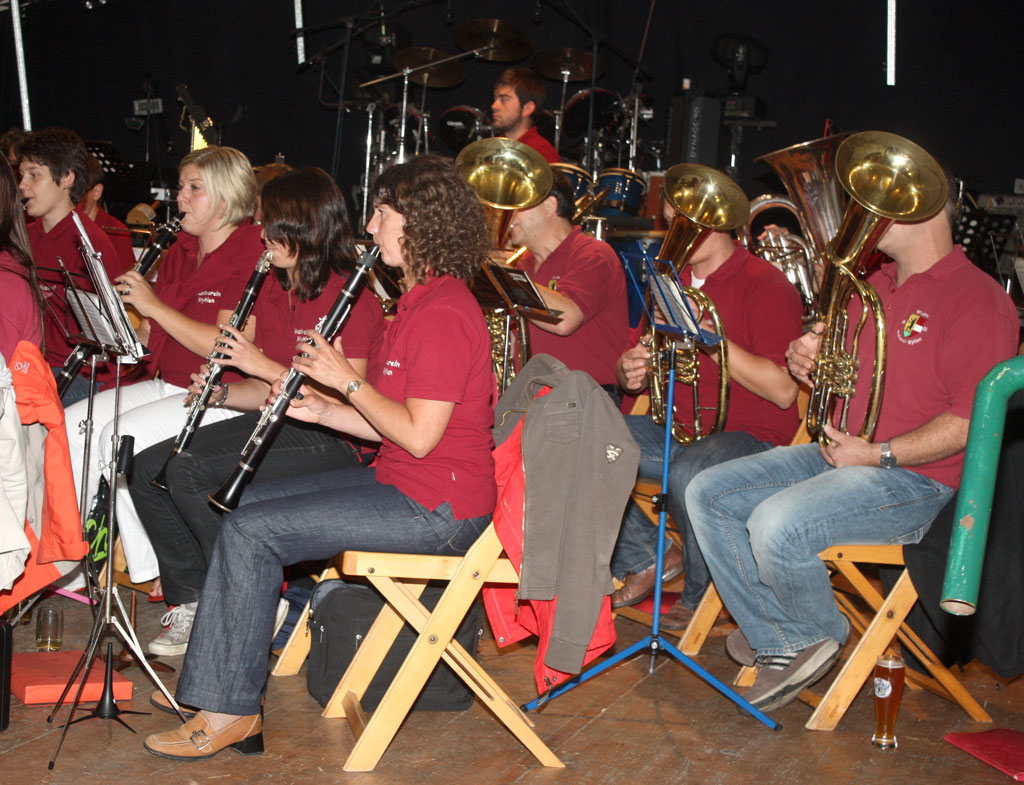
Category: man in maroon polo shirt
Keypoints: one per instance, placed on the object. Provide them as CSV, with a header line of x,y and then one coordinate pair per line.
x,y
760,312
518,96
579,276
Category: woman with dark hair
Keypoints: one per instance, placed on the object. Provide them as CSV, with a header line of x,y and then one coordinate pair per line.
x,y
21,314
306,227
431,489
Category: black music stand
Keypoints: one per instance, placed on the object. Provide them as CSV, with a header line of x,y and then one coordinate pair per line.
x,y
113,332
681,324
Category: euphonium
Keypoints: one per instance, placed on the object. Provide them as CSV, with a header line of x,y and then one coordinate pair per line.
x,y
816,199
704,200
507,176
888,178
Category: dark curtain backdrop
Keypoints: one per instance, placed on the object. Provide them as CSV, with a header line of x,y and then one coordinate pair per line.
x,y
958,90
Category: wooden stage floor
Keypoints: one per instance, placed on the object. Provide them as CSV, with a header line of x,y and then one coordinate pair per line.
x,y
624,726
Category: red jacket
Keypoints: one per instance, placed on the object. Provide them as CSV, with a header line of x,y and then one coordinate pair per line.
x,y
512,620
61,527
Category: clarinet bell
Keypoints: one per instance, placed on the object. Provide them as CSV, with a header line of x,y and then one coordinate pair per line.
x,y
230,494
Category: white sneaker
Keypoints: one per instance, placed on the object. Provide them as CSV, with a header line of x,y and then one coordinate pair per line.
x,y
174,640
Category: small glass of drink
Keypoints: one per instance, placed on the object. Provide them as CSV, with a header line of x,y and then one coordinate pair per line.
x,y
49,628
889,674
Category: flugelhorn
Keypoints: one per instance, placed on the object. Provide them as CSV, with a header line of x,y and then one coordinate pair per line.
x,y
274,414
704,200
888,178
161,238
198,403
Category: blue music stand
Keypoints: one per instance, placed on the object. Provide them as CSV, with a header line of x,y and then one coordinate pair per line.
x,y
654,643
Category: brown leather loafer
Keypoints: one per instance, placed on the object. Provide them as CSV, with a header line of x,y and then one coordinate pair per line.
x,y
158,700
194,740
640,584
677,618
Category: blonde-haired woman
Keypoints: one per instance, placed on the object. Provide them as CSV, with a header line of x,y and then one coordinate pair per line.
x,y
200,281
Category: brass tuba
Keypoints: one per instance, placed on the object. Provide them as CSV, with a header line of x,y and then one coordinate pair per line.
x,y
888,178
507,176
704,200
807,172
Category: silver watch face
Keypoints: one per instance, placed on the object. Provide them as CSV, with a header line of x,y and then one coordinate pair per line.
x,y
354,385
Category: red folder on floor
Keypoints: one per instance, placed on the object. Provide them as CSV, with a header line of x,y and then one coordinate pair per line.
x,y
40,676
1001,748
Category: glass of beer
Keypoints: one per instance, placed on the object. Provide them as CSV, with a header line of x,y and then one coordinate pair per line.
x,y
49,628
889,674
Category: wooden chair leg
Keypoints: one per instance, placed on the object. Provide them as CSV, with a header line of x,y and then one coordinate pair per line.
x,y
700,626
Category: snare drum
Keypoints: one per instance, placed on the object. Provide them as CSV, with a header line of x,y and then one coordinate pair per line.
x,y
461,125
580,178
625,195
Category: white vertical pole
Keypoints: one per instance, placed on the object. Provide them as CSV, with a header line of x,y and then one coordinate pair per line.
x,y
19,52
300,40
890,43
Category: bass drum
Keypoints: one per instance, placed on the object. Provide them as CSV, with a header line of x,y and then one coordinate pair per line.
x,y
461,125
607,112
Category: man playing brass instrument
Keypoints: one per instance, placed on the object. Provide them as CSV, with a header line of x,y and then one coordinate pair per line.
x,y
761,521
579,276
760,312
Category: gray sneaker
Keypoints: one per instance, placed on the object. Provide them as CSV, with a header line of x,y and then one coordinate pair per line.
x,y
738,649
781,679
174,640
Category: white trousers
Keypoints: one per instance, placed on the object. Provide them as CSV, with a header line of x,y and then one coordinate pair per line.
x,y
151,411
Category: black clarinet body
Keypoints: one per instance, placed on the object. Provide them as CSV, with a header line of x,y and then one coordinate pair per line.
x,y
162,238
274,415
197,406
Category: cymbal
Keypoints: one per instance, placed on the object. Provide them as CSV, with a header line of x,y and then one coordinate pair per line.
x,y
576,61
446,75
509,42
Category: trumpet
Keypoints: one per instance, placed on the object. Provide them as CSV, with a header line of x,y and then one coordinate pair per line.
x,y
273,416
161,238
889,178
197,404
704,200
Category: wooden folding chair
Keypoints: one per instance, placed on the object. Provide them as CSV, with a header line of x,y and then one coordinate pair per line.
x,y
401,579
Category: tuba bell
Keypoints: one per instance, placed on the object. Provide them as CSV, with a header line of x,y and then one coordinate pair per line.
x,y
807,172
704,200
507,176
888,178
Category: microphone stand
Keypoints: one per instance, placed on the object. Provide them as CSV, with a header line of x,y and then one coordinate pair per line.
x,y
654,643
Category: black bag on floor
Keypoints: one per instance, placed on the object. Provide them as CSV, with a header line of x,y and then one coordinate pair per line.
x,y
341,613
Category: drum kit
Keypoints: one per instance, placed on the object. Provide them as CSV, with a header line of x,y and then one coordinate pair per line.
x,y
595,130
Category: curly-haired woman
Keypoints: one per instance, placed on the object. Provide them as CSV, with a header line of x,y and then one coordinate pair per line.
x,y
431,489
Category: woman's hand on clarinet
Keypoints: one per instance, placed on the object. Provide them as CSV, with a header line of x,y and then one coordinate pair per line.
x,y
325,363
802,353
136,291
241,353
307,405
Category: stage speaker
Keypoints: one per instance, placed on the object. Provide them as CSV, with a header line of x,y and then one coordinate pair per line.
x,y
694,128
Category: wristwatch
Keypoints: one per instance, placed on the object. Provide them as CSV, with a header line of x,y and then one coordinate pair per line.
x,y
888,460
354,385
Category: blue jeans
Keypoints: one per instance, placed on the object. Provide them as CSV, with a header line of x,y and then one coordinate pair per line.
x,y
761,522
636,548
285,522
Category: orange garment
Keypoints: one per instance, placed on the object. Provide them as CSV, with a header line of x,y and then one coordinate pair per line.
x,y
60,523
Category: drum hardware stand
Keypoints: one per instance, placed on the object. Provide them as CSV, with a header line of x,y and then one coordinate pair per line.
x,y
371,109
561,108
654,643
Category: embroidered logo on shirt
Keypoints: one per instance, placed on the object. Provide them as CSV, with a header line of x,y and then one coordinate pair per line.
x,y
553,284
612,453
388,365
914,328
209,296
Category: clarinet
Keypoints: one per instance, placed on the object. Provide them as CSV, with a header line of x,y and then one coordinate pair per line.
x,y
162,238
274,415
197,405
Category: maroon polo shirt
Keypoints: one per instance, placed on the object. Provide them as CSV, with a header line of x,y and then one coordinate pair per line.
x,y
282,319
19,317
540,144
589,273
63,241
760,311
200,291
438,348
945,329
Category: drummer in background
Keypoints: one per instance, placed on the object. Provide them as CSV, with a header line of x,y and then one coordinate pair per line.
x,y
579,276
518,96
91,205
